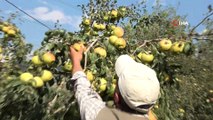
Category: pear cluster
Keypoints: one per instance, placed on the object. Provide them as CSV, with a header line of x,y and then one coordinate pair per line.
x,y
176,47
38,80
165,44
9,29
44,76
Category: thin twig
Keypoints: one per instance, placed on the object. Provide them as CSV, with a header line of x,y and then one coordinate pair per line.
x,y
59,109
202,38
144,43
53,101
64,107
91,45
200,23
85,53
196,34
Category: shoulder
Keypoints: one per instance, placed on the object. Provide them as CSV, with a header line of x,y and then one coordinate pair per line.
x,y
116,114
105,114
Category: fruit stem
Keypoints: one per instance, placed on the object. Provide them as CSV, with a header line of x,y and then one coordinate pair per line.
x,y
144,43
85,53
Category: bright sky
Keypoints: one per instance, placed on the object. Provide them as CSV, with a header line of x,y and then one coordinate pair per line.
x,y
69,15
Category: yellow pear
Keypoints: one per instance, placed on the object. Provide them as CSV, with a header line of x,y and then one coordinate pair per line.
x,y
102,85
68,66
5,29
77,46
146,57
120,43
118,31
86,21
178,46
90,76
36,60
112,39
48,57
102,26
11,32
165,44
114,13
46,75
25,77
101,51
37,82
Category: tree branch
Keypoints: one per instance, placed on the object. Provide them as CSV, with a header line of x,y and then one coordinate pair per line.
x,y
64,107
51,104
200,23
144,43
202,38
196,34
59,109
53,101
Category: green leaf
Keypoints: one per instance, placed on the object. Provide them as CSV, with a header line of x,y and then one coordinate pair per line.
x,y
49,46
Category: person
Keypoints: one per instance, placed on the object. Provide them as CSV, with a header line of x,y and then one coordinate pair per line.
x,y
136,92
